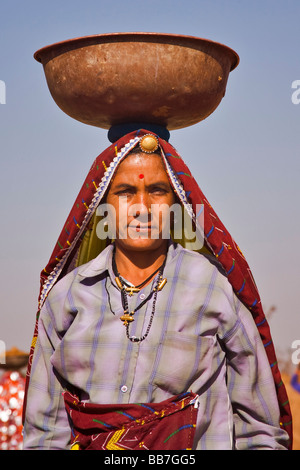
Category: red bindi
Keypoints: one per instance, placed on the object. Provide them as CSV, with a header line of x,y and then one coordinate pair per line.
x,y
141,176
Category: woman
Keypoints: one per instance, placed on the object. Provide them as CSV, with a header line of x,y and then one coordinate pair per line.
x,y
148,330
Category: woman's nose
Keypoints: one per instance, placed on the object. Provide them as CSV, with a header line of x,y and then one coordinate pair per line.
x,y
141,206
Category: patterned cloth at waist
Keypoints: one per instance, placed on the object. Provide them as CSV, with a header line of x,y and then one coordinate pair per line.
x,y
168,425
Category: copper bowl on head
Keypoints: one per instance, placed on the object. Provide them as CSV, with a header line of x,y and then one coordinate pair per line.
x,y
171,80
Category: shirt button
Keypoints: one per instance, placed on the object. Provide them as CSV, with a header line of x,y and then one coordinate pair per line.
x,y
124,388
142,296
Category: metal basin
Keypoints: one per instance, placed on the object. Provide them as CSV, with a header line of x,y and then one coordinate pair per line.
x,y
171,80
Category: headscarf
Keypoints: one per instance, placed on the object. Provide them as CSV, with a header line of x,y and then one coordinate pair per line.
x,y
78,243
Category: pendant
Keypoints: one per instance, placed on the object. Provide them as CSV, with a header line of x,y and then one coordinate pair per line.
x,y
162,284
132,290
127,318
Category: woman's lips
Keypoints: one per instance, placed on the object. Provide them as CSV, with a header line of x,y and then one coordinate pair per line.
x,y
143,228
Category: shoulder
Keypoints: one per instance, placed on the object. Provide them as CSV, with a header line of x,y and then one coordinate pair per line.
x,y
197,262
197,271
90,269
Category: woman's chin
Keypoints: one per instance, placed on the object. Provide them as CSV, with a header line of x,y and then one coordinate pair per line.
x,y
141,241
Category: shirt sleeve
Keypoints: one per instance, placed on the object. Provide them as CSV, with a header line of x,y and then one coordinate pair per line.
x,y
46,423
251,388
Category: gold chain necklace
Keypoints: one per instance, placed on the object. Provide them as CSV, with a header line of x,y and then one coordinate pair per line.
x,y
127,317
133,289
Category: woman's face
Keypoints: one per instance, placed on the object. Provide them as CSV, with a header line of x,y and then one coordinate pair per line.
x,y
141,195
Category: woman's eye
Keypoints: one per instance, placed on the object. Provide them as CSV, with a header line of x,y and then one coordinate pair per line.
x,y
124,192
158,191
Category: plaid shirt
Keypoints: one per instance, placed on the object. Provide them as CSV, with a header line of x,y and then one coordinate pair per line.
x,y
202,339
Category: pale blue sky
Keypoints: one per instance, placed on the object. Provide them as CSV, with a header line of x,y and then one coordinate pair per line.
x,y
245,156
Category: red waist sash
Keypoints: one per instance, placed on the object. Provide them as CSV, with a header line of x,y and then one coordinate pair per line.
x,y
168,425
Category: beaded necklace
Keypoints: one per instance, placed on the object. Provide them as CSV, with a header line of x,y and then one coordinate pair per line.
x,y
127,317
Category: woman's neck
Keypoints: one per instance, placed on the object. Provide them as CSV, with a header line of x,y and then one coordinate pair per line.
x,y
136,266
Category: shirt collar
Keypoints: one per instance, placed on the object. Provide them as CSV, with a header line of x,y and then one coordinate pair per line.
x,y
103,261
97,265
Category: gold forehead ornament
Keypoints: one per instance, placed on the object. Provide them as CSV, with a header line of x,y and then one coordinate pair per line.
x,y
148,143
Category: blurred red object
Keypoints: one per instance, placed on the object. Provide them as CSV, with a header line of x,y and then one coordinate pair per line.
x,y
12,385
11,404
